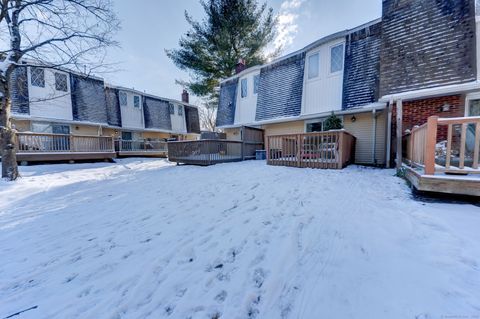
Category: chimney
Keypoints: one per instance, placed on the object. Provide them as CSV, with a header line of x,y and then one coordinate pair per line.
x,y
185,97
241,65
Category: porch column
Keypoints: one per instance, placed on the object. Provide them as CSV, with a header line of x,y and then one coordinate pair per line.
x,y
399,106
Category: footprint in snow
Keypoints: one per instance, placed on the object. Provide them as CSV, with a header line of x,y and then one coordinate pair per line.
x,y
221,296
259,277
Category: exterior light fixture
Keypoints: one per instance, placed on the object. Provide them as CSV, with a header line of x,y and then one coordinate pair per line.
x,y
445,107
353,119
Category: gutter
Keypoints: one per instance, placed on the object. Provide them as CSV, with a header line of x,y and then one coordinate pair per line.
x,y
431,92
364,109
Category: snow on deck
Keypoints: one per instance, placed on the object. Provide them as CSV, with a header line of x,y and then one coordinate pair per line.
x,y
146,239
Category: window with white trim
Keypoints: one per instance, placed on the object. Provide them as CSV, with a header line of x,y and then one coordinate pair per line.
x,y
61,82
256,83
336,58
180,110
37,77
171,109
313,66
122,97
244,88
136,101
474,107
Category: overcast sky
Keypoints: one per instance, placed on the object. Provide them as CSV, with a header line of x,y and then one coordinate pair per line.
x,y
151,26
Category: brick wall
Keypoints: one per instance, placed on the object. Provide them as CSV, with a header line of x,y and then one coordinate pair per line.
x,y
417,112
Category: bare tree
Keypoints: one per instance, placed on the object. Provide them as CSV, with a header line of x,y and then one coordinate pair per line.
x,y
69,33
208,114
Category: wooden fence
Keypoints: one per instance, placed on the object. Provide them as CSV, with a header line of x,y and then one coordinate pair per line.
x,y
332,149
139,146
458,154
58,143
253,140
205,152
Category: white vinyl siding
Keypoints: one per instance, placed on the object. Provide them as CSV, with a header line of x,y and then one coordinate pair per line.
x,y
131,110
322,90
45,98
246,106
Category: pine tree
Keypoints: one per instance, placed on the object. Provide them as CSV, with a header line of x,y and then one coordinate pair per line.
x,y
332,123
231,30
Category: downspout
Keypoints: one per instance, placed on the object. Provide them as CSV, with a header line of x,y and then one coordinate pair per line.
x,y
389,133
374,136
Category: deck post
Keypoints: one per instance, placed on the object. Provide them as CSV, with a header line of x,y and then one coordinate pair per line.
x,y
399,106
299,150
341,145
431,142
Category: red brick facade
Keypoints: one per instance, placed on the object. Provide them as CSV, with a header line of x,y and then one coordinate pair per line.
x,y
417,112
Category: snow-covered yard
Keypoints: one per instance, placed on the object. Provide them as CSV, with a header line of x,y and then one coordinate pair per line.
x,y
146,239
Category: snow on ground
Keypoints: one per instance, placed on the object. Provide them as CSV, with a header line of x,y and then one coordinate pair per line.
x,y
146,239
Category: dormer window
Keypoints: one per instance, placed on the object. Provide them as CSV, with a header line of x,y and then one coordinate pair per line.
x,y
336,58
122,97
61,82
136,101
37,77
313,66
171,109
256,83
244,88
180,110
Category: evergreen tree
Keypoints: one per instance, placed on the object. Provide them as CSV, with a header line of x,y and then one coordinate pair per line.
x,y
231,30
332,123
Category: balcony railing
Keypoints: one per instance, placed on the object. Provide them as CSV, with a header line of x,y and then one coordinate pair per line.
x,y
445,145
332,149
62,143
205,152
142,146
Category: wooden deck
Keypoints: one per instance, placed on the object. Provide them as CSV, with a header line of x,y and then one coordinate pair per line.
x,y
41,147
141,148
205,152
327,150
444,166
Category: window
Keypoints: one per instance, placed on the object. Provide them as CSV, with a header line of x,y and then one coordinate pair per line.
x,y
244,87
122,96
314,127
336,58
474,108
136,101
171,109
180,110
313,65
61,82
60,129
127,136
38,77
256,83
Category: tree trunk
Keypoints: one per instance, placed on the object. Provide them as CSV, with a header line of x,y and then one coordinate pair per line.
x,y
7,136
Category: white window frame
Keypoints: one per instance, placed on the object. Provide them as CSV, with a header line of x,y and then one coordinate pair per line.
x,y
31,76
256,87
60,74
310,55
468,98
318,120
244,80
120,94
180,110
330,58
139,101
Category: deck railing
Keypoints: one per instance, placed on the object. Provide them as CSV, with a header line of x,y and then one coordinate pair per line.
x,y
450,145
332,149
63,143
142,146
205,152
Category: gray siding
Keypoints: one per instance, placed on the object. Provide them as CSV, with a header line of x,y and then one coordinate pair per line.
x,y
281,88
192,119
227,103
156,113
88,99
19,90
427,44
362,67
114,116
